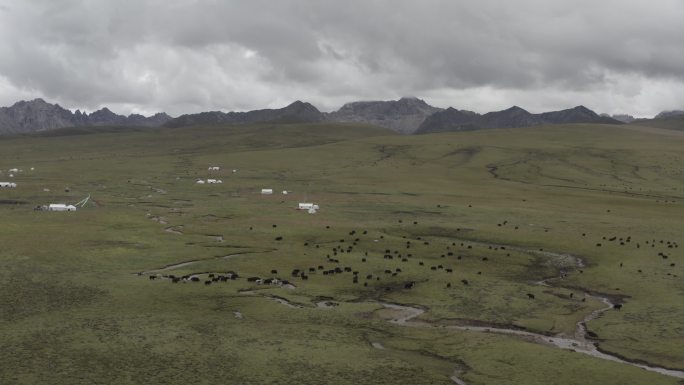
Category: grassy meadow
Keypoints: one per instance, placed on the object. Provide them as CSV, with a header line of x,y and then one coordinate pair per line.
x,y
501,209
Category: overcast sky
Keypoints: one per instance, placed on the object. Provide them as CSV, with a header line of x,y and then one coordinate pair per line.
x,y
181,56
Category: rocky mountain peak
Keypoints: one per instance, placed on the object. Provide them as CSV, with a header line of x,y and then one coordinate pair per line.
x,y
403,115
39,115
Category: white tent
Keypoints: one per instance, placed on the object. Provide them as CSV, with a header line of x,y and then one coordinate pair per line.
x,y
200,181
61,207
266,191
8,184
214,181
308,206
214,168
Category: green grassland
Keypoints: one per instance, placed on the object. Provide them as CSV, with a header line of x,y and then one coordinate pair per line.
x,y
503,209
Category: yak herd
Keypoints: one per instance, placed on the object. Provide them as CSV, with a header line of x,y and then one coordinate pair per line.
x,y
377,277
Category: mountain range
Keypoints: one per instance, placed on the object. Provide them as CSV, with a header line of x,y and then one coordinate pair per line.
x,y
407,115
452,119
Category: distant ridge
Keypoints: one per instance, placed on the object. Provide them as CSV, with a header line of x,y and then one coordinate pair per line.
x,y
624,118
669,114
514,117
297,112
38,115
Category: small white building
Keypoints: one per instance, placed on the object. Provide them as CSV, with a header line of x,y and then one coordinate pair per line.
x,y
8,185
266,191
214,168
61,207
308,206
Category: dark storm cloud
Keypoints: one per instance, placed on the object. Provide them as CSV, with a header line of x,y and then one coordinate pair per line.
x,y
188,55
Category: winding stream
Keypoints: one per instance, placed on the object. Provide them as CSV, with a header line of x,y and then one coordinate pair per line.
x,y
580,345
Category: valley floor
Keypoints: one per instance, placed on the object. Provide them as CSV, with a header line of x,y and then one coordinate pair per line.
x,y
545,255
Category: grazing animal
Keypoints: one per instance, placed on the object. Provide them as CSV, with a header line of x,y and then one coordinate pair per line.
x,y
464,281
530,295
448,285
274,271
617,306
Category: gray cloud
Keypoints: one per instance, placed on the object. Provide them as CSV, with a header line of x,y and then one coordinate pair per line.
x,y
188,55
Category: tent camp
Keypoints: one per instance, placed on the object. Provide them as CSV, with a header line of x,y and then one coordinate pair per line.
x,y
8,185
